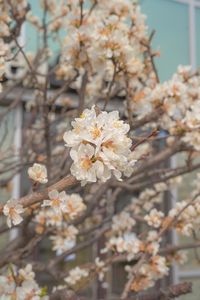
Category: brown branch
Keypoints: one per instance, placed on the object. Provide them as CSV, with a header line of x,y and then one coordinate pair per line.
x,y
82,92
172,292
15,254
39,196
65,294
75,249
154,115
160,157
144,139
140,184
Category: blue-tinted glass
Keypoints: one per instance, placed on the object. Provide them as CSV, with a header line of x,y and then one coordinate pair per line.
x,y
195,289
33,37
198,35
170,20
167,17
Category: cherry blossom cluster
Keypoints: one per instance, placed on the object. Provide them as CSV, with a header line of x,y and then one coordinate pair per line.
x,y
71,205
78,275
75,276
14,210
148,273
20,9
150,197
186,214
184,217
178,102
64,235
122,223
107,43
64,239
99,146
21,284
6,27
58,211
4,49
123,239
130,246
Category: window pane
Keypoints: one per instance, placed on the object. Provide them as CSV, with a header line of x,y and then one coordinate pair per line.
x,y
198,35
6,148
193,256
32,36
170,20
184,192
195,290
34,40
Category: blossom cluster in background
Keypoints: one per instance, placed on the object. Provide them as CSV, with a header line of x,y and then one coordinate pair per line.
x,y
21,284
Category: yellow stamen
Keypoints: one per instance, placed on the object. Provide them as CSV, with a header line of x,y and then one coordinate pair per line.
x,y
86,164
56,202
82,116
109,145
96,132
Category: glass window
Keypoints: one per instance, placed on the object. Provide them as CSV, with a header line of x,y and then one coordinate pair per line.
x,y
6,147
170,20
198,36
34,37
195,289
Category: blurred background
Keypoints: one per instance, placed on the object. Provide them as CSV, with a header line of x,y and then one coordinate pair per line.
x,y
177,26
177,39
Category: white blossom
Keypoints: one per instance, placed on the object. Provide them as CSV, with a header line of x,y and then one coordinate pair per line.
x,y
56,200
101,269
13,210
73,205
75,275
38,173
100,146
64,239
122,222
154,218
20,284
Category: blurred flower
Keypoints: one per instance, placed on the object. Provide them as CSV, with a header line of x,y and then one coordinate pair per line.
x,y
38,173
75,275
13,210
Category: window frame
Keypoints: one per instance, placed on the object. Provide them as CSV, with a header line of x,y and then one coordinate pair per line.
x,y
177,274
